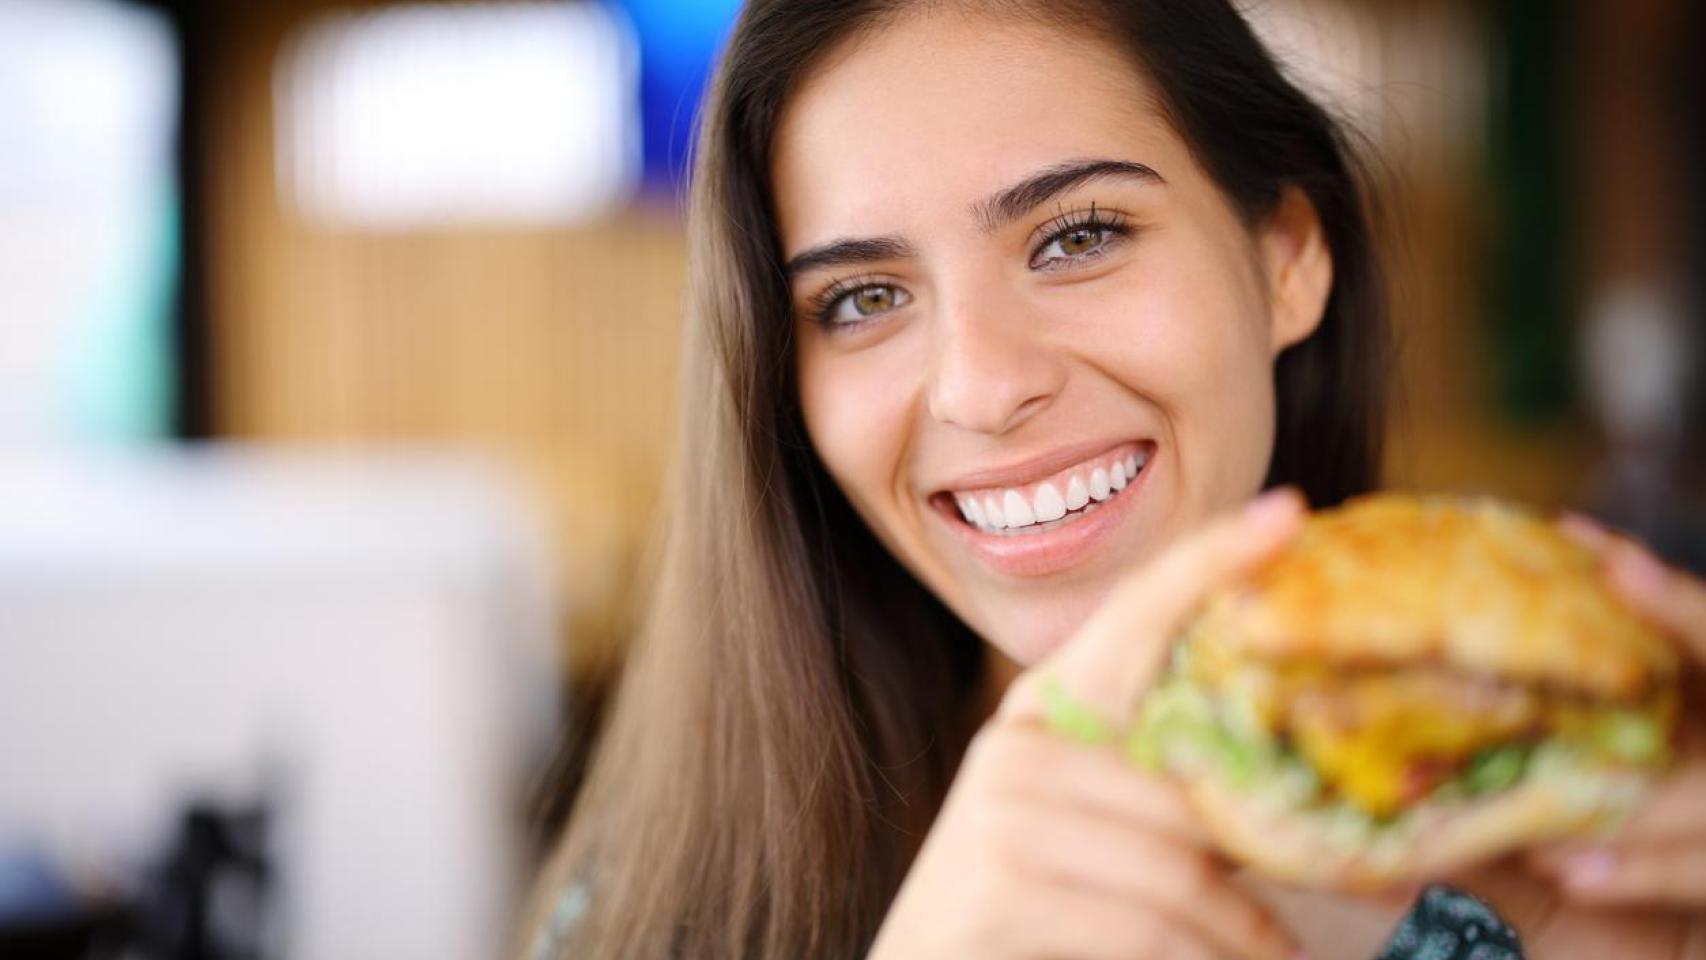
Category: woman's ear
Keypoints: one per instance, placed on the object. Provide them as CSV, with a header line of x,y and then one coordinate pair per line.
x,y
1299,268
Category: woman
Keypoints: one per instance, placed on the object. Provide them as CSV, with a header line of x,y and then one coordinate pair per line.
x,y
993,304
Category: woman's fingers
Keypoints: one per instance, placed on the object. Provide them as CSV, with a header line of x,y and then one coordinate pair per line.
x,y
1659,873
1586,531
1551,925
1048,848
1672,599
1658,857
1675,811
1124,847
1041,766
1033,811
1067,923
1108,664
1185,884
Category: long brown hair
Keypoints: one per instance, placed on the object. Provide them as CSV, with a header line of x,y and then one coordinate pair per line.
x,y
790,718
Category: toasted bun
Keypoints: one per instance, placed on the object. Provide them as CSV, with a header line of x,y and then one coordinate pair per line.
x,y
1390,579
1430,841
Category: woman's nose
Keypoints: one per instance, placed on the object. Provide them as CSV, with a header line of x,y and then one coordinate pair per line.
x,y
991,368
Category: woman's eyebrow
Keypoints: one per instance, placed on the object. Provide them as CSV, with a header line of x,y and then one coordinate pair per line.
x,y
838,253
991,214
1039,188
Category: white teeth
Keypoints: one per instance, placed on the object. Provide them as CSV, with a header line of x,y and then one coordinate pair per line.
x,y
1007,509
1016,510
1076,494
1049,506
1099,487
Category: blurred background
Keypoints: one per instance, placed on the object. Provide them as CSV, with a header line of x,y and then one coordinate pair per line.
x,y
338,349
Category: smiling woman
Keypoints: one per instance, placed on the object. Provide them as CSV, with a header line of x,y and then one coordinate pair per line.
x,y
1047,285
993,304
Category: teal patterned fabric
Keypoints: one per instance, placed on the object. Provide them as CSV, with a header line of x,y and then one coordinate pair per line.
x,y
1448,924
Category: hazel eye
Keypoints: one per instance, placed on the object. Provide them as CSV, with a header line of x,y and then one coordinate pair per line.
x,y
1081,240
1074,243
866,302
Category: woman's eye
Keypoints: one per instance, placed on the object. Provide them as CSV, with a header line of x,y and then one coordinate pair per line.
x,y
1080,240
868,301
1073,243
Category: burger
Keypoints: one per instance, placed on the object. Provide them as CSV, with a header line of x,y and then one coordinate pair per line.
x,y
1413,685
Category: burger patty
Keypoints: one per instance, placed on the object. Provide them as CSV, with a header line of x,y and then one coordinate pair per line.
x,y
1384,740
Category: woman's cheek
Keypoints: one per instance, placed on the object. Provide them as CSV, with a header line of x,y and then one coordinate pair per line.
x,y
857,420
1190,344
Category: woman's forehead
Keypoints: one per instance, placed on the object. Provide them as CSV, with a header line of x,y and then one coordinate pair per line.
x,y
935,112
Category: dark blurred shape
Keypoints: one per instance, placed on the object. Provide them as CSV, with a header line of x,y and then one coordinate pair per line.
x,y
95,933
44,917
208,896
194,23
211,895
1532,251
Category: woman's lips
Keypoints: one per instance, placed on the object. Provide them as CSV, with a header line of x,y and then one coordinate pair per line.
x,y
1050,495
1044,548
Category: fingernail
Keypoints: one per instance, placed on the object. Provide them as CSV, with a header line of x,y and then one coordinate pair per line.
x,y
1583,529
1590,869
1640,573
1271,506
1300,954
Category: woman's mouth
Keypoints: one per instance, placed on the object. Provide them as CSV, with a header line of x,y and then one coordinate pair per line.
x,y
1052,522
1060,499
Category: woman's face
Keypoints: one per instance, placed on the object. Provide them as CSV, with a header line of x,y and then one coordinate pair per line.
x,y
1035,342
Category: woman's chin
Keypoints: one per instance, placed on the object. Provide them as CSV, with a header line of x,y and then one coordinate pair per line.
x,y
1027,633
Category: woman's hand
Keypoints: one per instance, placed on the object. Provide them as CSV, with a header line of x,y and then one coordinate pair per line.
x,y
1555,926
1051,848
1659,858
1643,894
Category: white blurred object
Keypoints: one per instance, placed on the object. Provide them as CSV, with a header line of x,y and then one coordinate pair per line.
x,y
1636,357
1330,48
88,219
1409,76
379,630
429,114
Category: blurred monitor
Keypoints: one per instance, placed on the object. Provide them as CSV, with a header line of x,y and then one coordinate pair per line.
x,y
362,647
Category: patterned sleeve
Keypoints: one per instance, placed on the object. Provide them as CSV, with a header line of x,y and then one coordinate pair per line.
x,y
1448,924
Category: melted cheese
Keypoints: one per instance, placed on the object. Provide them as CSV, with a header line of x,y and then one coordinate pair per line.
x,y
1373,765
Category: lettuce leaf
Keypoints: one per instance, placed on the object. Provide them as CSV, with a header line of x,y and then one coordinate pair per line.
x,y
1496,769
